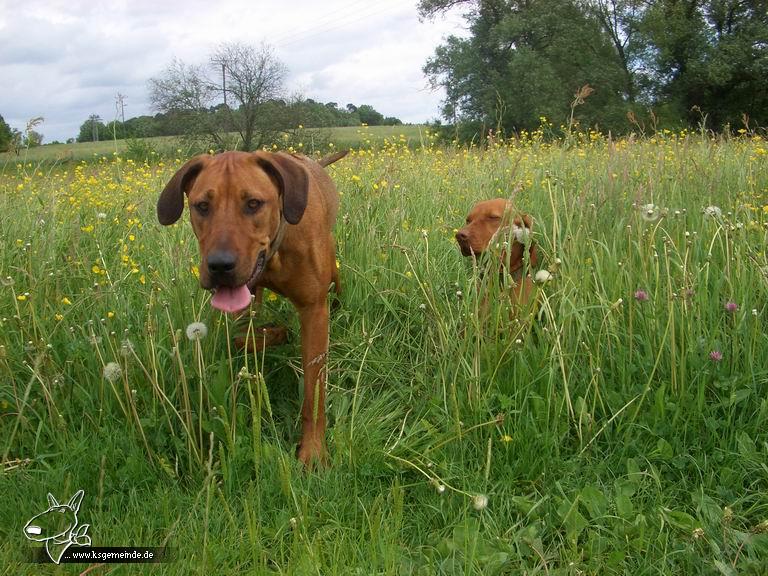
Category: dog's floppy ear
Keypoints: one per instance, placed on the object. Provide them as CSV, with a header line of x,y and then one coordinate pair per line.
x,y
170,205
520,235
293,181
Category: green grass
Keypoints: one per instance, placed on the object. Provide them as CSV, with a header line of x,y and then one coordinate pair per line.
x,y
603,435
343,137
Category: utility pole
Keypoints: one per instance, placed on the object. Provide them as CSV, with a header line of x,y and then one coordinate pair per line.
x,y
224,82
120,106
95,119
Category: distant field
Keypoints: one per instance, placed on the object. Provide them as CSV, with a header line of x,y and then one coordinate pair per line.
x,y
344,137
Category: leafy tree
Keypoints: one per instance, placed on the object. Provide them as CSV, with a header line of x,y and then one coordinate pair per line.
x,y
368,115
32,138
525,60
709,58
5,135
683,58
93,130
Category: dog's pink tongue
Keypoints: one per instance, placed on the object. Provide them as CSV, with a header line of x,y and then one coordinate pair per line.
x,y
231,299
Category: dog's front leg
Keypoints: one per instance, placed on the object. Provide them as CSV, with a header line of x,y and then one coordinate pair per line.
x,y
314,349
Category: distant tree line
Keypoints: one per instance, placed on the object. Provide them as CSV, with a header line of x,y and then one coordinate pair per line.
x,y
647,63
285,115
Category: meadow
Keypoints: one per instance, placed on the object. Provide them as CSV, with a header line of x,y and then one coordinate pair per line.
x,y
623,431
153,149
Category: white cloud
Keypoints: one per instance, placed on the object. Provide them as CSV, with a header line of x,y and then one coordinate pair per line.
x,y
67,59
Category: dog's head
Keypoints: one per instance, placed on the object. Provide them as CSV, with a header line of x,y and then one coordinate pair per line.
x,y
494,220
236,202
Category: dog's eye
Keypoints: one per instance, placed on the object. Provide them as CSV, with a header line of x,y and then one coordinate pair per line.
x,y
494,218
202,208
254,205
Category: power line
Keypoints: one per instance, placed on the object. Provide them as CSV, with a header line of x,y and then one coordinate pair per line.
x,y
326,19
340,24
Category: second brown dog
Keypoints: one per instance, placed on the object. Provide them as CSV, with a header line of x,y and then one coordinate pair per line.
x,y
493,221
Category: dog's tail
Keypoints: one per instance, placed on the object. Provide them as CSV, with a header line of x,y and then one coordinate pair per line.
x,y
331,158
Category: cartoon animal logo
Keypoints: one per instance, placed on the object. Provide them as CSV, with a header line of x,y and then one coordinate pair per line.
x,y
58,527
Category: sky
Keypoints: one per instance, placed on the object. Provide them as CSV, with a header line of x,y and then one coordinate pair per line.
x,y
67,59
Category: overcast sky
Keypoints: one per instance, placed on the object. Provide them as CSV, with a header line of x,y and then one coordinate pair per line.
x,y
67,59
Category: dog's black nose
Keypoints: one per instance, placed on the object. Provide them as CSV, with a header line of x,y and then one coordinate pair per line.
x,y
221,262
461,236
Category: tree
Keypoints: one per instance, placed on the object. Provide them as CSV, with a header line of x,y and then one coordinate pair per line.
x,y
229,95
32,138
183,95
710,58
5,135
369,115
251,77
92,130
524,60
686,59
621,21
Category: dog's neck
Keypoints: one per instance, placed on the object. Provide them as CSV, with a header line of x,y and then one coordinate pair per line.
x,y
274,244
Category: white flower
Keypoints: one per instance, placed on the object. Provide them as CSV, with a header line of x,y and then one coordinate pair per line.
x,y
112,372
480,502
521,233
197,331
101,216
713,211
650,212
542,276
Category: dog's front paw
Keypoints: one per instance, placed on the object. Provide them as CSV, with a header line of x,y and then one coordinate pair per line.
x,y
312,453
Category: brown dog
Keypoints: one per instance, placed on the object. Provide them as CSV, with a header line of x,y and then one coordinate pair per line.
x,y
494,221
266,220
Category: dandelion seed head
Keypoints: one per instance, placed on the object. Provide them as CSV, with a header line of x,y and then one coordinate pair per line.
x,y
480,502
650,212
713,212
542,276
197,331
112,371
